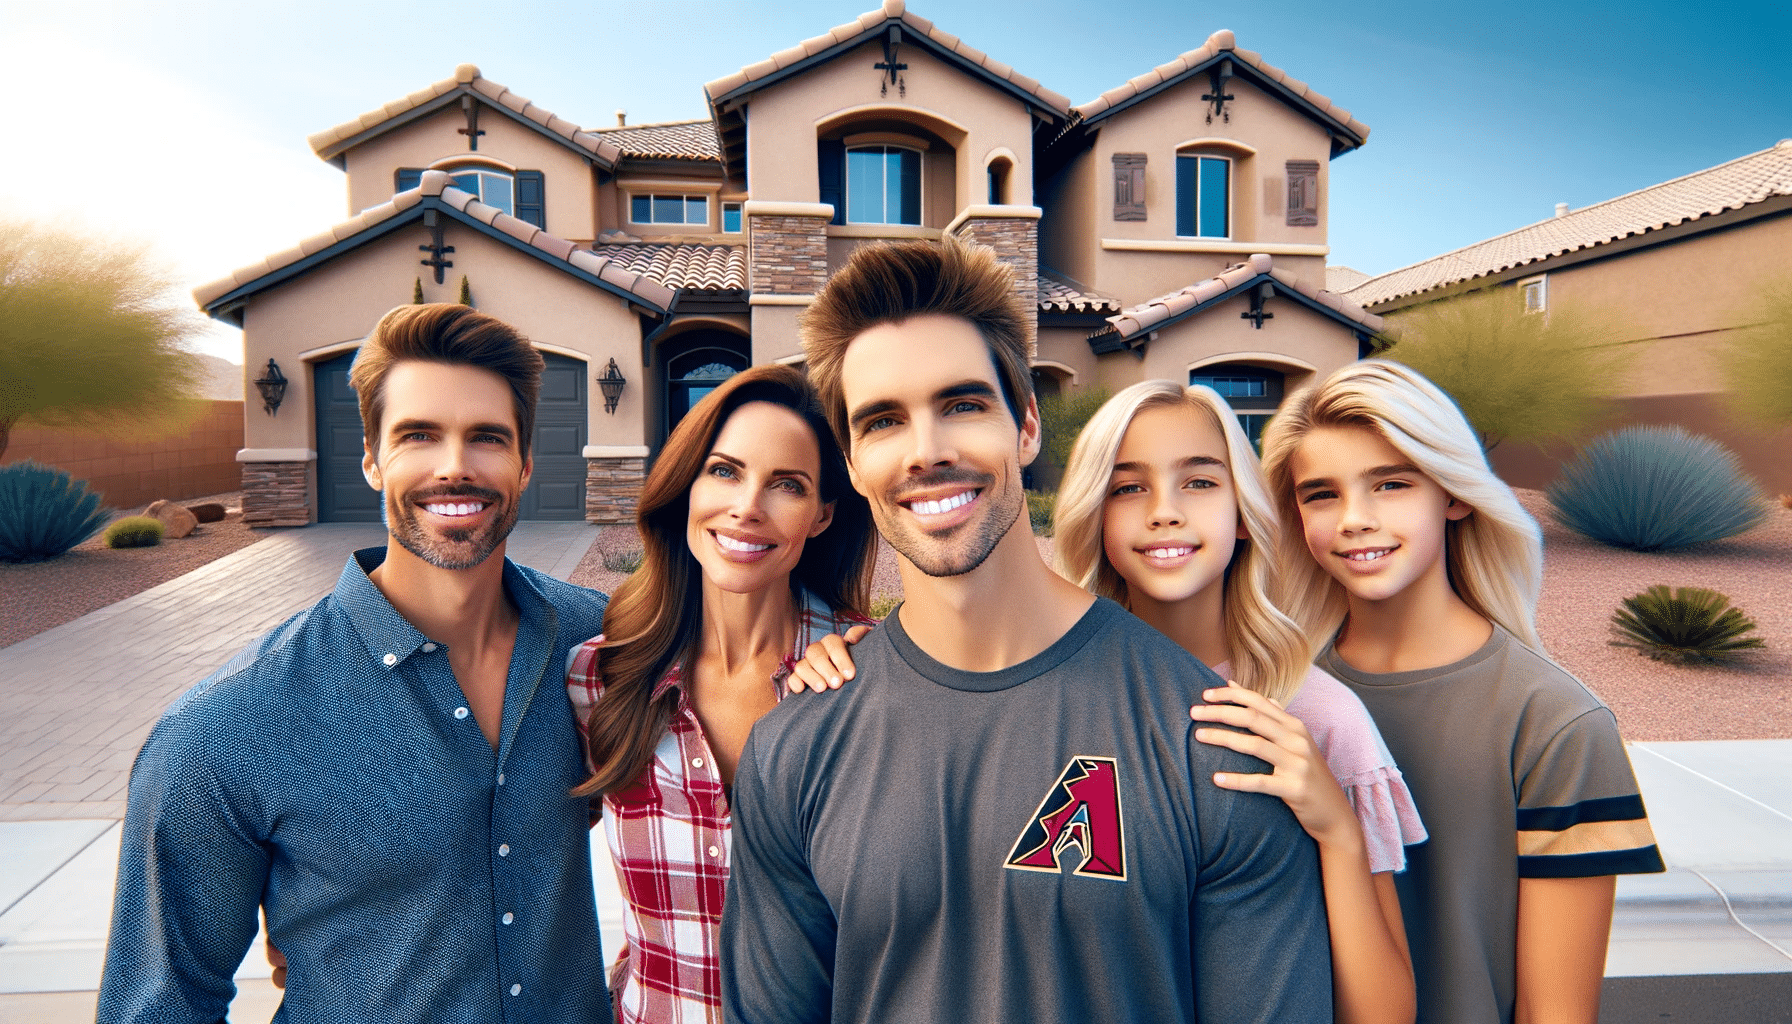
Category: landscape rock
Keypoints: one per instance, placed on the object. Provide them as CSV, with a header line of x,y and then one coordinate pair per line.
x,y
208,512
178,521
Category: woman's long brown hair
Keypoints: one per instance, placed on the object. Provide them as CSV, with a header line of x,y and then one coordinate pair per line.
x,y
655,619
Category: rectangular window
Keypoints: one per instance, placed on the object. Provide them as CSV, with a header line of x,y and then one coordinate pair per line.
x,y
668,209
731,218
1536,294
883,185
1203,196
1235,387
493,188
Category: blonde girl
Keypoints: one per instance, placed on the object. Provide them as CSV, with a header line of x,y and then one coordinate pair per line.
x,y
1420,569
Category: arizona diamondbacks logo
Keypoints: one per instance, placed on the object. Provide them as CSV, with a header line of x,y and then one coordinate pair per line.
x,y
1082,809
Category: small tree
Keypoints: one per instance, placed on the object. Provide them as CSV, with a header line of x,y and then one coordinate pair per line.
x,y
1757,366
1531,377
417,292
91,335
1063,416
466,291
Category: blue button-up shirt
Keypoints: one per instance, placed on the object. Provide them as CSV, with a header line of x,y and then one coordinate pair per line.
x,y
333,773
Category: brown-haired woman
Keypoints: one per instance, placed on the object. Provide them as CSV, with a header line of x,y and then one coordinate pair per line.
x,y
754,546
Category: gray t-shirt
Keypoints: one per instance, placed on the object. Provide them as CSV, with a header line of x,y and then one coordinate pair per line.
x,y
1518,772
1040,843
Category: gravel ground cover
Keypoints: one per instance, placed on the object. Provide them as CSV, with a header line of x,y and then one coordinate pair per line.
x,y
41,595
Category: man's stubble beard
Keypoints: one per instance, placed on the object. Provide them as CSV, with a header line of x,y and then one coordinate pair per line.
x,y
937,558
401,518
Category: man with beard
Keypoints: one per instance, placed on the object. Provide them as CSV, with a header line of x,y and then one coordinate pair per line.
x,y
1005,815
387,772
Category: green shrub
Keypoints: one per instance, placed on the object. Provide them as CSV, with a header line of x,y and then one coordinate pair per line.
x,y
135,532
1062,417
883,606
1656,489
1688,626
44,512
624,561
1039,511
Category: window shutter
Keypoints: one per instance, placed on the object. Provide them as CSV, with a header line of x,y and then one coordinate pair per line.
x,y
1303,193
1129,186
830,156
531,198
407,178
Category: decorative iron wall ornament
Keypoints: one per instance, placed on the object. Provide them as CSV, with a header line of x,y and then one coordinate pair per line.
x,y
611,383
272,385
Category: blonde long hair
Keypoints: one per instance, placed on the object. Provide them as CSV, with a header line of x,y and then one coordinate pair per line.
x,y
1269,652
1494,556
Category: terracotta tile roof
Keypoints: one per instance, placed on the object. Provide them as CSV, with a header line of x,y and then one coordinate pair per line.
x,y
675,140
1340,278
1127,93
614,271
1730,186
331,142
1161,311
1060,296
700,267
875,21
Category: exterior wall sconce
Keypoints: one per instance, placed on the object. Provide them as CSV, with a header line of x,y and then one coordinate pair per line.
x,y
272,385
612,383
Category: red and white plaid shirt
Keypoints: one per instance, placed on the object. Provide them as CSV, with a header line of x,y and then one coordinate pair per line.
x,y
669,836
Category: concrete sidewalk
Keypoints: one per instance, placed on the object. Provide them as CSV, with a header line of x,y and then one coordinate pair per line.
x,y
77,701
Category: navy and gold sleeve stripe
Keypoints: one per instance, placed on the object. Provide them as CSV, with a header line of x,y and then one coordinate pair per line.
x,y
1604,836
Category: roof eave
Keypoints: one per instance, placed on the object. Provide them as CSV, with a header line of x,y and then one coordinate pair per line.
x,y
228,306
1283,291
336,152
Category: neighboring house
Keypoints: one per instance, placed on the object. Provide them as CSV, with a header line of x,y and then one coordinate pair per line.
x,y
1678,267
1173,227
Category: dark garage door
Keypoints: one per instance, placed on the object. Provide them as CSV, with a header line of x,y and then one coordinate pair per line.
x,y
557,490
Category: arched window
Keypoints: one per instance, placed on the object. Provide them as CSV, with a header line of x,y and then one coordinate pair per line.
x,y
883,185
710,358
493,187
998,173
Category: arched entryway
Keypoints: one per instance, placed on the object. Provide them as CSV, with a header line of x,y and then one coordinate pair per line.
x,y
555,492
696,361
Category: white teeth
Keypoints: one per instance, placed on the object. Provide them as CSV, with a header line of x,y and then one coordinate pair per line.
x,y
465,508
1168,552
934,508
739,545
1367,556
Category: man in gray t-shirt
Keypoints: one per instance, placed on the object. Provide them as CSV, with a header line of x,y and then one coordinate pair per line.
x,y
1005,816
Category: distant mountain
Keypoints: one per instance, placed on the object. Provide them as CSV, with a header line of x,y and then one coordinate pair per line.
x,y
221,381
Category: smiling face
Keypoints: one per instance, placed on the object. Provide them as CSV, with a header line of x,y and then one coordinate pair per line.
x,y
448,462
933,446
1371,518
756,500
1170,523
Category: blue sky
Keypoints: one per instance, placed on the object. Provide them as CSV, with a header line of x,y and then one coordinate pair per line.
x,y
184,123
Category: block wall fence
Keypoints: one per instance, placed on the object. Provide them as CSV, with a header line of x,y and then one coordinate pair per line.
x,y
197,461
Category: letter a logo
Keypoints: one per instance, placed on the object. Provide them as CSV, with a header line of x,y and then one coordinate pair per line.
x,y
1081,808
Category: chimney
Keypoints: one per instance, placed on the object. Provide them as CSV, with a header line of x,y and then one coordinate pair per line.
x,y
622,119
1561,209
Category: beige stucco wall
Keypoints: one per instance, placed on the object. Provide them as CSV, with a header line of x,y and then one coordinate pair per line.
x,y
775,333
1159,127
566,177
1297,338
1068,347
971,116
335,305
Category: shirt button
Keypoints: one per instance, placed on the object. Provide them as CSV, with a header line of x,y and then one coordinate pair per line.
x,y
516,990
503,849
696,762
713,852
460,712
508,917
500,778
429,648
390,660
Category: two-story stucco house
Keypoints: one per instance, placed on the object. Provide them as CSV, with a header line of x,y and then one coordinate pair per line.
x,y
1173,227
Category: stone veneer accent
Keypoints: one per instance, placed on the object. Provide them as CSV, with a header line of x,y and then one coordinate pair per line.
x,y
1016,242
786,255
276,494
613,488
